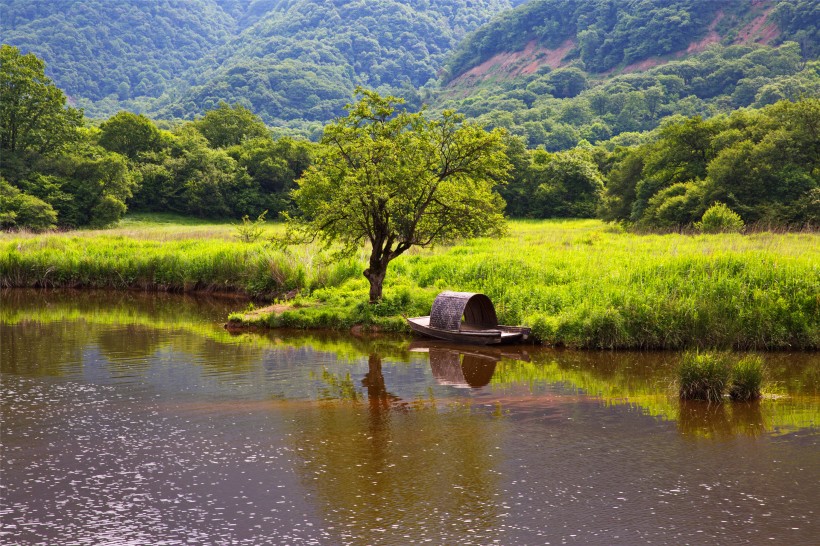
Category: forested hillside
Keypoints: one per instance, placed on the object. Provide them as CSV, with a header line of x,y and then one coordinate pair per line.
x,y
284,59
603,34
96,49
561,72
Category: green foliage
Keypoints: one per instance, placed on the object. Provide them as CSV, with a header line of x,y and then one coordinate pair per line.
x,y
747,378
22,211
249,231
227,126
703,376
130,135
112,49
720,219
608,34
33,115
762,164
718,80
398,180
296,60
560,185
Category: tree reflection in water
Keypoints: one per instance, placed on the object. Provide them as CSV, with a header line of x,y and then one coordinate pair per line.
x,y
386,468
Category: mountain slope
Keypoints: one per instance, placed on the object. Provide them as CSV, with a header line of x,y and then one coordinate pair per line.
x,y
285,59
94,49
532,70
605,35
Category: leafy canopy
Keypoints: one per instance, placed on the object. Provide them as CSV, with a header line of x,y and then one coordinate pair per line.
x,y
396,179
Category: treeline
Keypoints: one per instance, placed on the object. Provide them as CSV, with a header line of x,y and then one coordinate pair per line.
x,y
763,164
610,34
56,171
557,109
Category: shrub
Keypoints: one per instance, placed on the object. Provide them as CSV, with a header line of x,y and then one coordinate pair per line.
x,y
747,377
249,231
703,376
720,219
20,210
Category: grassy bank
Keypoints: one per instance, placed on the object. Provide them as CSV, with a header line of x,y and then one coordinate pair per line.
x,y
576,283
156,252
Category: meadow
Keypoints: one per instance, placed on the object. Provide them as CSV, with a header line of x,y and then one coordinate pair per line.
x,y
577,283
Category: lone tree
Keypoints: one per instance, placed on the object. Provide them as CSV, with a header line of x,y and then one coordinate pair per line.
x,y
396,179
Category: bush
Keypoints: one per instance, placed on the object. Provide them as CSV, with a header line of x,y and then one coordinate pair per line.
x,y
20,210
703,376
720,219
747,378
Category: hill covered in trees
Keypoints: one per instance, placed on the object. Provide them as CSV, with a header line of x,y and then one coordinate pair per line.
x,y
284,59
555,72
561,72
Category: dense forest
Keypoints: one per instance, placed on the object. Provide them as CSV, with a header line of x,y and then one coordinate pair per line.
x,y
288,61
557,109
190,103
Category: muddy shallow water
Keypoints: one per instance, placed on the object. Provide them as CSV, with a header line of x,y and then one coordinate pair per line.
x,y
132,419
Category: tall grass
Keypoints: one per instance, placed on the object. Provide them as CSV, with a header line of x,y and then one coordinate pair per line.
x,y
577,283
747,378
703,376
118,262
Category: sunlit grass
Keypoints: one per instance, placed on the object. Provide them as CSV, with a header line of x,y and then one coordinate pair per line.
x,y
579,283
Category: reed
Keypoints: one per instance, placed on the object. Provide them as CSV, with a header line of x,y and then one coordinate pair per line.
x,y
747,378
703,376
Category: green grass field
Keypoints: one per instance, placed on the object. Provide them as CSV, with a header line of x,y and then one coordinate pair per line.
x,y
579,283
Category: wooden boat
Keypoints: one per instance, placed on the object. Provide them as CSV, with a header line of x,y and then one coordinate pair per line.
x,y
466,317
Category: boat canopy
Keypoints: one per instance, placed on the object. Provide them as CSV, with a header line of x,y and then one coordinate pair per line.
x,y
476,309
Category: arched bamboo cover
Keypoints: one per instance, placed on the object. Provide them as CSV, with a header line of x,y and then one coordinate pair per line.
x,y
477,309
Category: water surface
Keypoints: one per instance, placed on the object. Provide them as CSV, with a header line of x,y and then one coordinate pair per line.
x,y
134,419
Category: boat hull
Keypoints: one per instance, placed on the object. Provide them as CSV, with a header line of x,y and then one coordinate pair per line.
x,y
491,336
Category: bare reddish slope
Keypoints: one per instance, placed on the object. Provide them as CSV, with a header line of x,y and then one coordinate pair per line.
x,y
760,30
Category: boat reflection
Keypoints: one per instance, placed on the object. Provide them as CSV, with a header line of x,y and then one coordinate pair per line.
x,y
465,366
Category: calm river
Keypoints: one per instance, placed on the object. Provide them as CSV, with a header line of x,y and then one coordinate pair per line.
x,y
133,419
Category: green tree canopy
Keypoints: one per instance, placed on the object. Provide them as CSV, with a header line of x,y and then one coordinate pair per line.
x,y
33,114
130,134
230,125
396,179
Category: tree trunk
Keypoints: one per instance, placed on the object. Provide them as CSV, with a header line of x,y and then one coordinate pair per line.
x,y
375,274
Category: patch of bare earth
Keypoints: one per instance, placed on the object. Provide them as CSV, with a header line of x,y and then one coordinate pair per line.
x,y
761,30
508,65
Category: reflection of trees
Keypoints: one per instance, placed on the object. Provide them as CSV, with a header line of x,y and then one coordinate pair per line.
x,y
383,468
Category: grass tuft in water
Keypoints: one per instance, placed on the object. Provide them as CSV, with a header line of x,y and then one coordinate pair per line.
x,y
703,376
747,378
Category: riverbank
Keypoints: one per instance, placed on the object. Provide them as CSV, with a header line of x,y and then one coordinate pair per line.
x,y
577,283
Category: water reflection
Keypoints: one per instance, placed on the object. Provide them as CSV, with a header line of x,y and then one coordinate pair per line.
x,y
465,366
722,421
141,416
391,470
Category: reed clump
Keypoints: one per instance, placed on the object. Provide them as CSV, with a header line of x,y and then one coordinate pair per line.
x,y
747,378
708,375
703,376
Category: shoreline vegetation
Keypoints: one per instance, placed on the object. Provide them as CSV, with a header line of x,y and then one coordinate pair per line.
x,y
576,283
